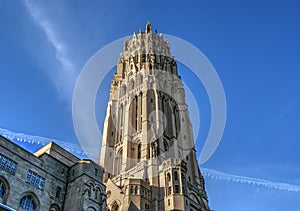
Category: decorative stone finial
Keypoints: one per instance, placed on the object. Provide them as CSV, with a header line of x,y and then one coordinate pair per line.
x,y
148,27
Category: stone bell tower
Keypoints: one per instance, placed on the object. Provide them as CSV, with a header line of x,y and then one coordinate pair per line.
x,y
148,148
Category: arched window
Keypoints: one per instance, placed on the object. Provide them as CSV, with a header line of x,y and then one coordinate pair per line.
x,y
136,190
4,189
168,177
28,203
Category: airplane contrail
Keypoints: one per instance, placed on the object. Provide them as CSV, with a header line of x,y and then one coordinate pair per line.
x,y
218,175
206,172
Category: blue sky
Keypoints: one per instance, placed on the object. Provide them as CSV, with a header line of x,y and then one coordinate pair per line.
x,y
253,45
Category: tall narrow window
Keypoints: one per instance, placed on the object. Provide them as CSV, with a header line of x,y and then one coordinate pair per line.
x,y
121,116
163,111
121,113
131,189
139,152
136,113
140,111
168,177
133,115
175,112
155,149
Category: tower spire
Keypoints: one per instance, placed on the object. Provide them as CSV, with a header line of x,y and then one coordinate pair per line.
x,y
148,146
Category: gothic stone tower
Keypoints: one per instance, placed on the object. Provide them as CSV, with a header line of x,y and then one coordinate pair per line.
x,y
148,147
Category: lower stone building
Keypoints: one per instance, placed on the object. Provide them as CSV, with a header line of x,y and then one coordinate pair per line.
x,y
50,179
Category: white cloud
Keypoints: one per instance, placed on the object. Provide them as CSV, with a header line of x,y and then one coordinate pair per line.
x,y
65,77
214,174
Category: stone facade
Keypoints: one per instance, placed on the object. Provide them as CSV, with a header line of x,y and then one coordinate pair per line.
x,y
148,149
50,179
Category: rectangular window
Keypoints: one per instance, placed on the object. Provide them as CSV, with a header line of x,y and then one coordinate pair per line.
x,y
7,164
35,179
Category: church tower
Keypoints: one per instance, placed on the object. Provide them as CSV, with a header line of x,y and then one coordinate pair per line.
x,y
148,148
